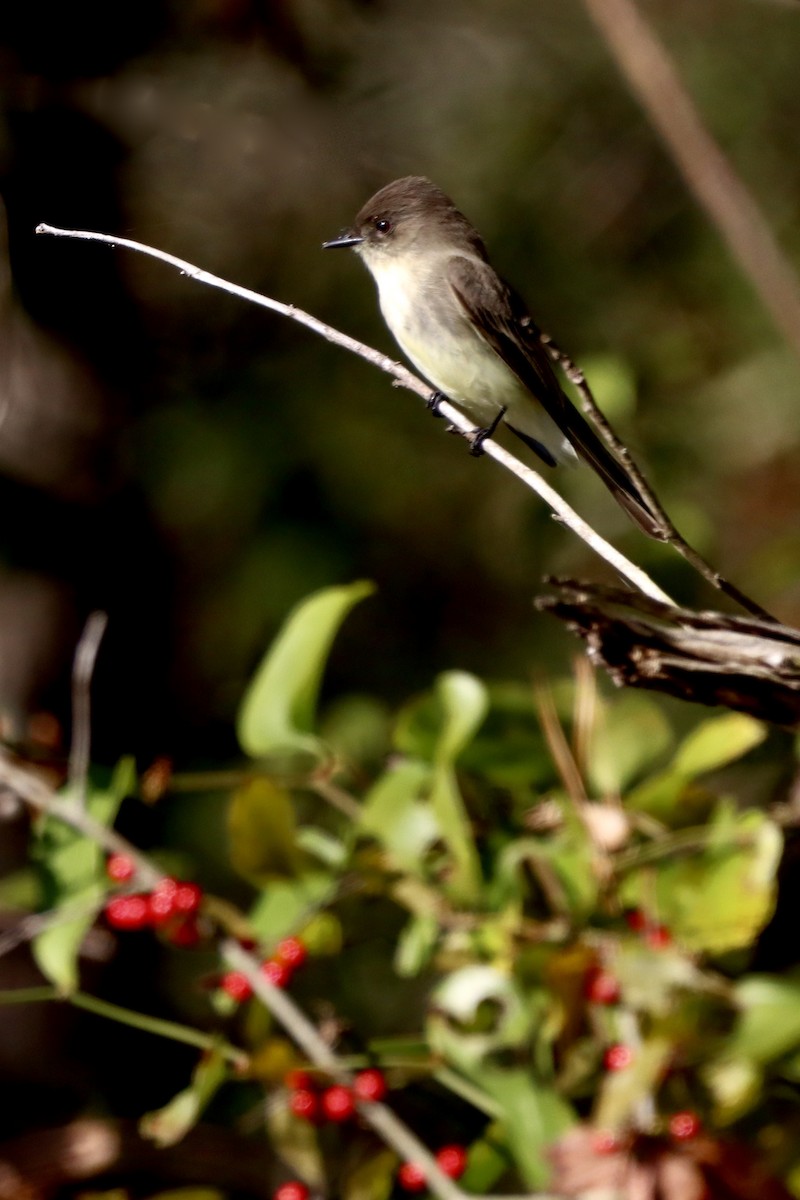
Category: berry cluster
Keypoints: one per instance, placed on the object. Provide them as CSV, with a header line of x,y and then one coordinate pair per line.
x,y
656,935
278,969
335,1103
171,906
451,1160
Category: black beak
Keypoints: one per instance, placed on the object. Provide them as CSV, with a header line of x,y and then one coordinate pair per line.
x,y
345,238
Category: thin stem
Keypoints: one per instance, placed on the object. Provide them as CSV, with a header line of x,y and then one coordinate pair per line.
x,y
685,841
82,671
128,1016
337,797
403,378
160,1027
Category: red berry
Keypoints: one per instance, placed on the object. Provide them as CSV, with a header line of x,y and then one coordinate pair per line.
x,y
617,1057
277,973
601,987
120,868
187,898
184,932
128,912
291,953
658,936
370,1084
236,985
293,1190
304,1104
296,1080
684,1126
162,900
411,1177
605,1142
452,1160
338,1103
636,920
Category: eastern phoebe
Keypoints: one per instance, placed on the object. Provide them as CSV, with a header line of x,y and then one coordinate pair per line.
x,y
470,334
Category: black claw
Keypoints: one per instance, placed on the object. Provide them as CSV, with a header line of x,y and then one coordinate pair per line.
x,y
478,438
482,435
434,403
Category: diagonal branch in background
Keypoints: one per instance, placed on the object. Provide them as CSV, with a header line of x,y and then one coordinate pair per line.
x,y
654,81
403,378
590,406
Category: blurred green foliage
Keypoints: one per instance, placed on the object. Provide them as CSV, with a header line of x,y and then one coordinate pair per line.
x,y
456,916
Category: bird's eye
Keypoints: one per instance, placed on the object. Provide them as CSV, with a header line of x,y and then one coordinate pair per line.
x,y
382,225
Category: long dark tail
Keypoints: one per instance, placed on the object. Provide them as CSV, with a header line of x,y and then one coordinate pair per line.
x,y
588,445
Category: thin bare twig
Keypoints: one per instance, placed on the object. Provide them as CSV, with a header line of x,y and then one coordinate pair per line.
x,y
82,671
653,79
403,378
590,406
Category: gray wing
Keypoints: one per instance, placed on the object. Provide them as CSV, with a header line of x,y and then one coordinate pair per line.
x,y
499,315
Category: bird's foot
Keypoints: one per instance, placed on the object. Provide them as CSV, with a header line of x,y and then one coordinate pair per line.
x,y
434,403
483,435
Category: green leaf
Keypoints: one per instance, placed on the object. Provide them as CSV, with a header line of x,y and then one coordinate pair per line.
x,y
464,704
277,714
534,1114
372,1179
397,816
622,1091
769,1023
168,1125
508,748
296,1143
717,742
568,861
486,1006
718,897
56,949
286,905
416,944
463,700
487,1164
630,734
735,1086
74,878
672,795
413,806
262,834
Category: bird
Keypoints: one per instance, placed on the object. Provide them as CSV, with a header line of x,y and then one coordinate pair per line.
x,y
471,335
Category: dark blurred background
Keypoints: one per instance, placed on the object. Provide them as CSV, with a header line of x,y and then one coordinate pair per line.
x,y
195,466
